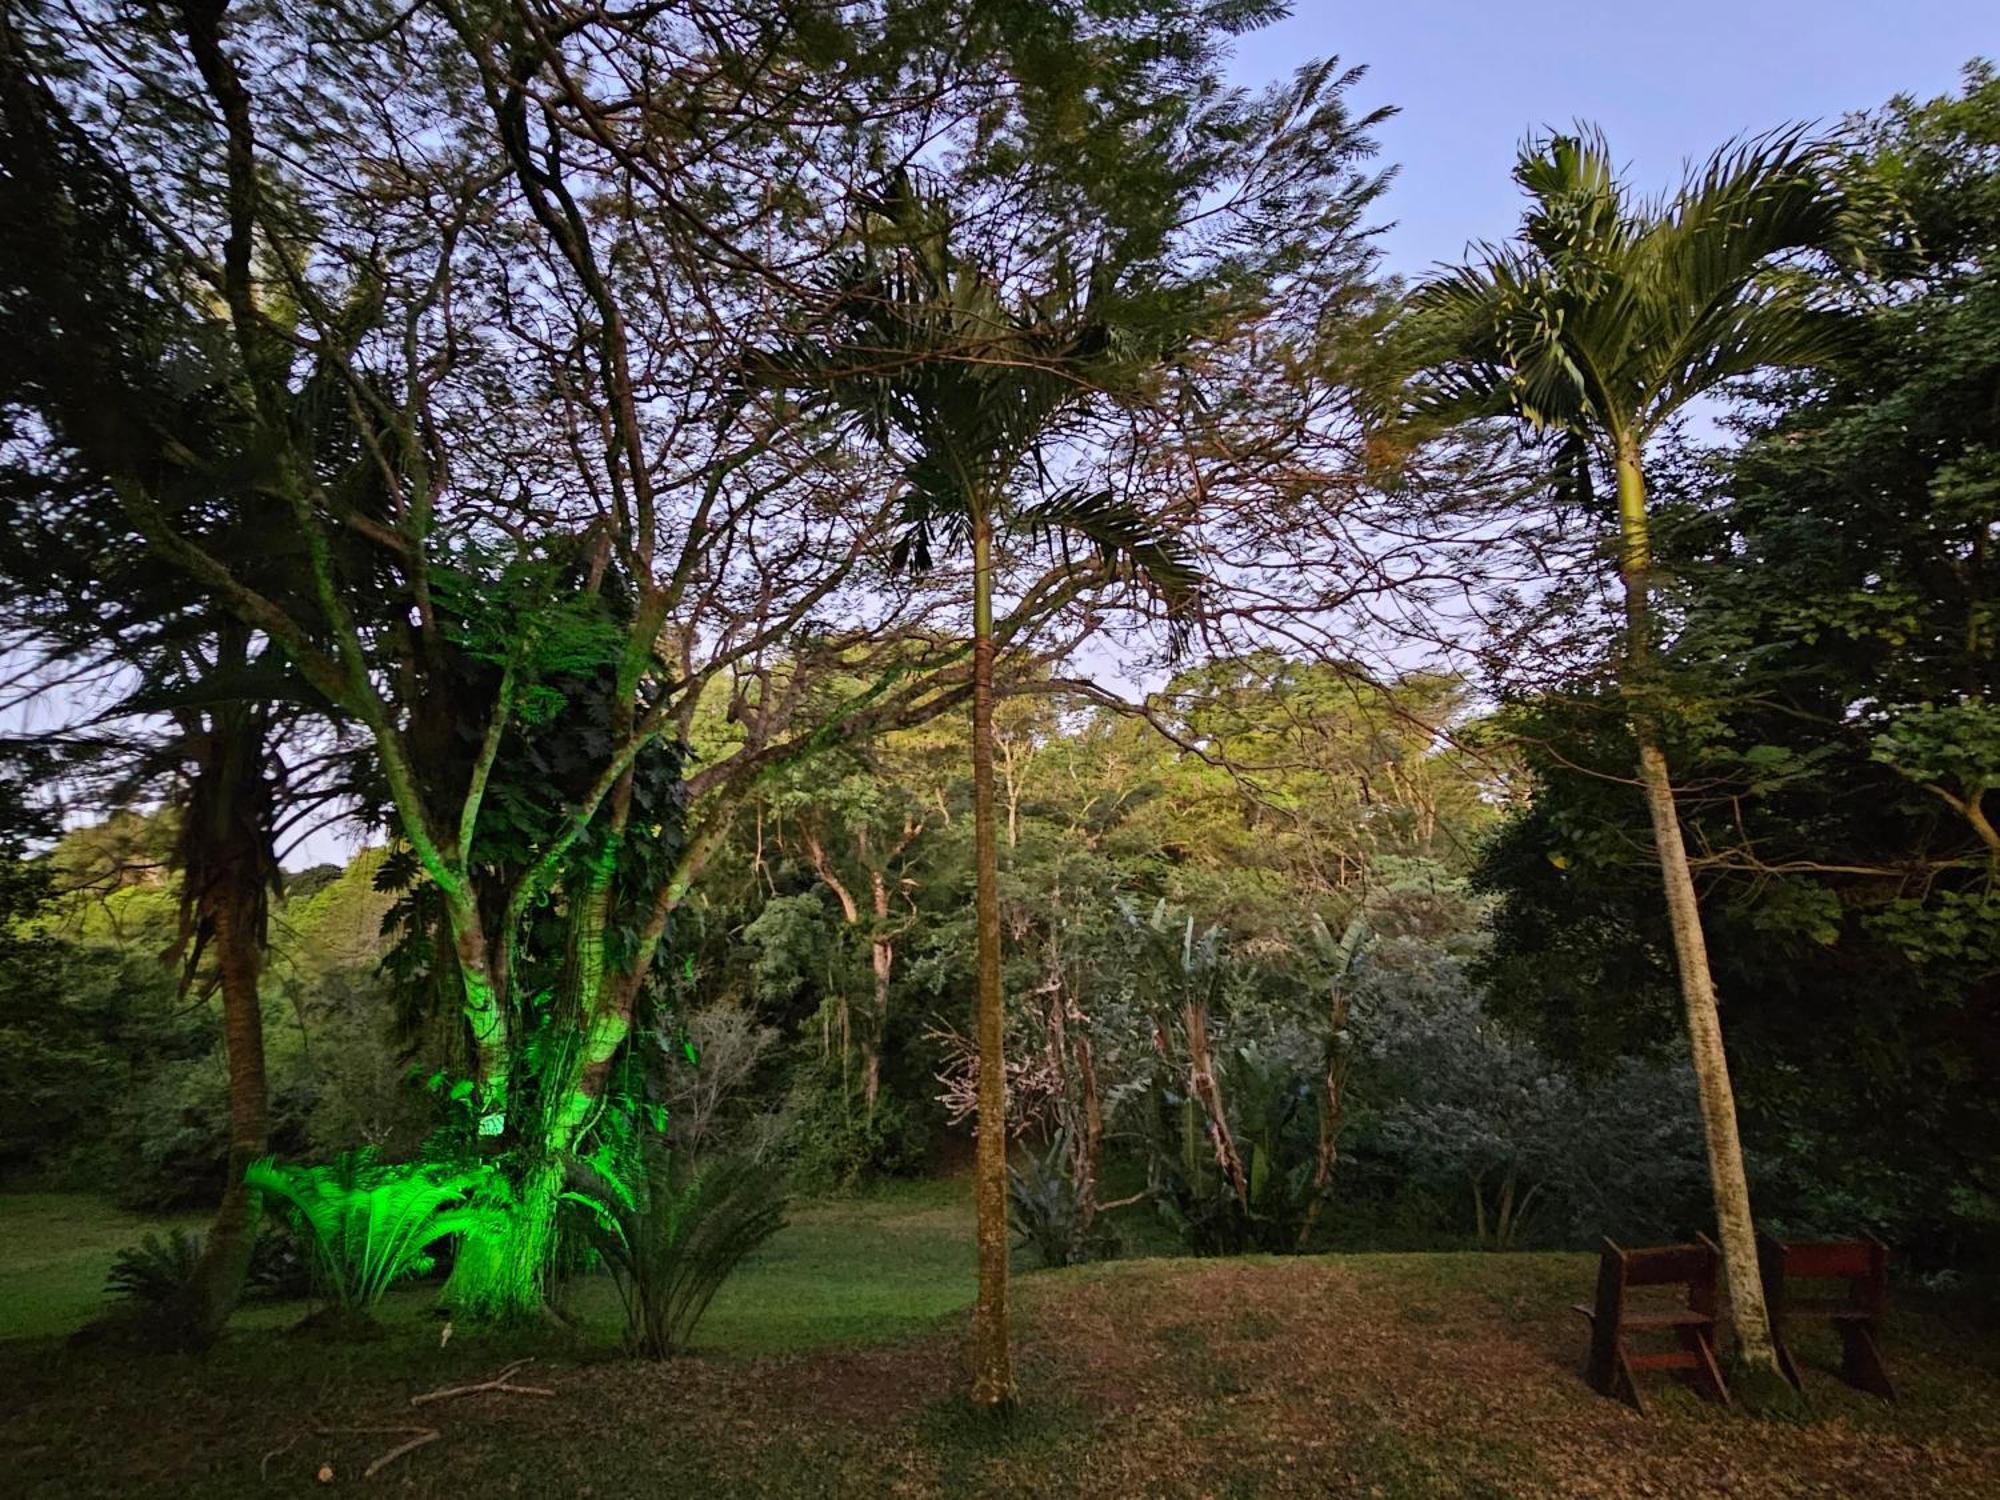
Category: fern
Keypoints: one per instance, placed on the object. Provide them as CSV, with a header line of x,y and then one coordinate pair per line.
x,y
157,1269
367,1225
670,1251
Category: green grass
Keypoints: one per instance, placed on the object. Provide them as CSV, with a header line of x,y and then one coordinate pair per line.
x,y
870,1268
54,1251
867,1269
833,1365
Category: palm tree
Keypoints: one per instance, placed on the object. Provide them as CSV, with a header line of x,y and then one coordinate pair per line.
x,y
927,355
1601,322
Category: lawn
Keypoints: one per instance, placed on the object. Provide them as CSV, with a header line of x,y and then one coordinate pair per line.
x,y
54,1251
831,1367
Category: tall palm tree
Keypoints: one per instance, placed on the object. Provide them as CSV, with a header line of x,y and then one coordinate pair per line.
x,y
928,355
1604,319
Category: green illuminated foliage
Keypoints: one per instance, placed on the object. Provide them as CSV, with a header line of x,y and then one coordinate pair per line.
x,y
368,1225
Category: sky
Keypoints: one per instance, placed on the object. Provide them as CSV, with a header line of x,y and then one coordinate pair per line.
x,y
1668,80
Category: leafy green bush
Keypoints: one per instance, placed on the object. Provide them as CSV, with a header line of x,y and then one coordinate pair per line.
x,y
835,1144
367,1225
153,1272
1049,1209
1273,1119
671,1247
279,1270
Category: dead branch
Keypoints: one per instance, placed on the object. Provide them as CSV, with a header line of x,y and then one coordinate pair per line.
x,y
500,1382
264,1464
422,1435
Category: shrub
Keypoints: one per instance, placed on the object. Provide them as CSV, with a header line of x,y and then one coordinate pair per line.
x,y
1273,1119
367,1225
153,1273
672,1246
279,1270
833,1143
1050,1211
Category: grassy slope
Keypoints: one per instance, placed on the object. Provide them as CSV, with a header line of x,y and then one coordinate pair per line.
x,y
1369,1374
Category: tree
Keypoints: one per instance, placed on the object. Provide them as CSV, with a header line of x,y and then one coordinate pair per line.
x,y
1602,324
195,700
545,246
933,355
1827,578
527,327
990,332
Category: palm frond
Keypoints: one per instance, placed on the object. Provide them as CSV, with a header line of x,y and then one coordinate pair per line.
x,y
1127,543
367,1225
1605,318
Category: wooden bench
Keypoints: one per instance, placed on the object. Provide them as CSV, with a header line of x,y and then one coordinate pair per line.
x,y
1614,1367
1864,1265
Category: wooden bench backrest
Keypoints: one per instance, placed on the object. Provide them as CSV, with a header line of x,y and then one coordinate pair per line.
x,y
1669,1265
1697,1267
1838,1260
1862,1263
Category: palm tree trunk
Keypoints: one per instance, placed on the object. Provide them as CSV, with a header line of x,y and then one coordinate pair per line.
x,y
1735,1228
225,1261
992,1358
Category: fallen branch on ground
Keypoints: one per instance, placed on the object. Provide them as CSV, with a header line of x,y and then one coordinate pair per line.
x,y
264,1465
500,1382
422,1436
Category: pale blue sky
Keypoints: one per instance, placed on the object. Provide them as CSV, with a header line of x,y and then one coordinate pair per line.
x,y
1667,79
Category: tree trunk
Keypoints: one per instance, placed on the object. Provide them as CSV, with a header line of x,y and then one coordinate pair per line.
x,y
1735,1228
226,866
882,961
1332,1112
1202,1083
992,1358
225,1260
504,1278
1089,1151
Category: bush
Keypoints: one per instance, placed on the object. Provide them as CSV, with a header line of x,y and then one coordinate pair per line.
x,y
1048,1209
366,1225
833,1143
671,1247
279,1270
154,1272
1273,1118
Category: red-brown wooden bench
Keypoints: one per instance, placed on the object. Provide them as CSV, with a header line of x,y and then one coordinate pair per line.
x,y
1614,1367
1864,1265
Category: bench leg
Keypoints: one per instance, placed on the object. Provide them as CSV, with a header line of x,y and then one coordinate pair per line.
x,y
1600,1370
1707,1374
1625,1385
1787,1365
1861,1361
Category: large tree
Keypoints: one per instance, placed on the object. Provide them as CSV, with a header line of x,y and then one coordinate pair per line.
x,y
932,354
177,696
1604,321
515,250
